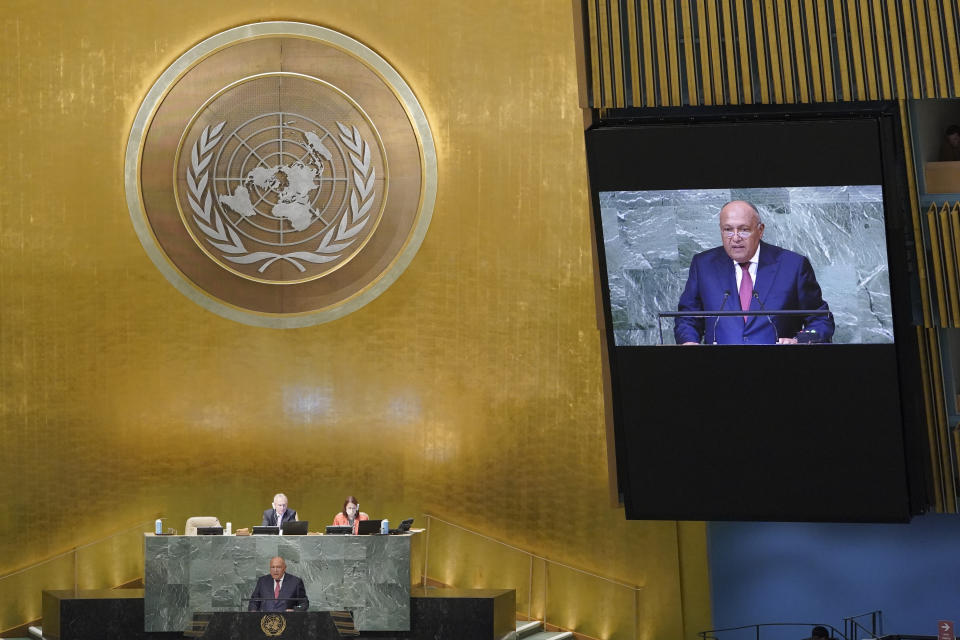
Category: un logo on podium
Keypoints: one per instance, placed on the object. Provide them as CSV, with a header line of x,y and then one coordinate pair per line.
x,y
273,624
281,174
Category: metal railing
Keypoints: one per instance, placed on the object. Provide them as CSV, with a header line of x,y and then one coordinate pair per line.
x,y
770,626
532,560
851,627
20,589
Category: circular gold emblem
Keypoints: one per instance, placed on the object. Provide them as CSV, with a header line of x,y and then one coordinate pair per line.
x,y
281,174
273,624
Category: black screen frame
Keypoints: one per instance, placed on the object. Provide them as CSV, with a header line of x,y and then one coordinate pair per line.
x,y
902,471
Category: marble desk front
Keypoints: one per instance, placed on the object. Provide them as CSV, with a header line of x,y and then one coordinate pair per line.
x,y
367,575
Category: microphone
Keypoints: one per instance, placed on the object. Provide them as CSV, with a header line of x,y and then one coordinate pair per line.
x,y
776,335
726,294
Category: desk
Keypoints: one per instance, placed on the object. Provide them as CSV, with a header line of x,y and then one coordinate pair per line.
x,y
368,575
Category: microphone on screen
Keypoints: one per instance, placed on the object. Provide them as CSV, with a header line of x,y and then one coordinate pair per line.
x,y
776,335
726,294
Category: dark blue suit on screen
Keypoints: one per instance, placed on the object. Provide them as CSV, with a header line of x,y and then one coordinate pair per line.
x,y
784,281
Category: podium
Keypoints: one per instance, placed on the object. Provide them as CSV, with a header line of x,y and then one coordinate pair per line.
x,y
366,575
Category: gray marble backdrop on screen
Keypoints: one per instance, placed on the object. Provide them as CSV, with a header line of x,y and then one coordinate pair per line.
x,y
651,236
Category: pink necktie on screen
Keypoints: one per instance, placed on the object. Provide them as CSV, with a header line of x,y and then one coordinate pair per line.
x,y
276,589
746,288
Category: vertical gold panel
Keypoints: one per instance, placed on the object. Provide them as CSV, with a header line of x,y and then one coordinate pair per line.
x,y
787,62
616,52
916,219
596,63
689,60
729,56
911,46
816,68
648,69
713,40
923,43
936,257
945,231
661,48
800,65
939,69
603,29
773,51
825,59
929,356
856,56
942,441
952,251
880,45
671,20
743,44
841,32
761,52
705,74
953,55
866,39
634,52
899,79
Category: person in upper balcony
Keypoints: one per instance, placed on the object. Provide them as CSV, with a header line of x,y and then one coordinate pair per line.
x,y
746,273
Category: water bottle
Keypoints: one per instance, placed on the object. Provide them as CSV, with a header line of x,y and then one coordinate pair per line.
x,y
384,527
158,527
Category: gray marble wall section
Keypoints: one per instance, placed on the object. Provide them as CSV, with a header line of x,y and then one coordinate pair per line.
x,y
368,575
651,236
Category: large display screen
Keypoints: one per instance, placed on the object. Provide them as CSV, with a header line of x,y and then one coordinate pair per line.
x,y
825,426
650,238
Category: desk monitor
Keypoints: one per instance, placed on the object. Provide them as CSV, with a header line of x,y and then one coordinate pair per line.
x,y
209,531
266,531
295,528
338,530
368,527
404,526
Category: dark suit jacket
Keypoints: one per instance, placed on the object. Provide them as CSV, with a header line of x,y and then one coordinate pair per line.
x,y
270,517
785,281
292,594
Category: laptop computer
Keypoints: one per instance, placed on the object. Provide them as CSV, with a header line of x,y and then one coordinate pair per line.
x,y
338,530
404,526
266,531
296,528
209,531
368,527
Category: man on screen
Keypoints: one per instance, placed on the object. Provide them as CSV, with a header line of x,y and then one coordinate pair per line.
x,y
746,273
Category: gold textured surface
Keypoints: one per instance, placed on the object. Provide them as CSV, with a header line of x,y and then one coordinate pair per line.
x,y
470,389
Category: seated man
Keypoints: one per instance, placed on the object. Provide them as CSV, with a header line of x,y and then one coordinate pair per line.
x,y
279,513
279,590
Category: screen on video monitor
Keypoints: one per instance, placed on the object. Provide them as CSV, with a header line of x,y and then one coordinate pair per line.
x,y
651,237
758,226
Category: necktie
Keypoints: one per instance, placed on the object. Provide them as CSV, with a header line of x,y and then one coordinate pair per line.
x,y
746,288
276,589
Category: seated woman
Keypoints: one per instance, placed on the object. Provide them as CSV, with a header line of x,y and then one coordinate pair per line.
x,y
351,514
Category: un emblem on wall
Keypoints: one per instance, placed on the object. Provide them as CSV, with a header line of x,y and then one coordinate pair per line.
x,y
281,174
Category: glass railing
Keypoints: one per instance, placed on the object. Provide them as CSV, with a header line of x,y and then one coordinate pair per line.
x,y
105,563
562,596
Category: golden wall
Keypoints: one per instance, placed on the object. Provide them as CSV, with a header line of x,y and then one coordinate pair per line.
x,y
470,390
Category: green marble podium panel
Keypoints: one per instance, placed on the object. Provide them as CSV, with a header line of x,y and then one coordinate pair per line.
x,y
367,575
